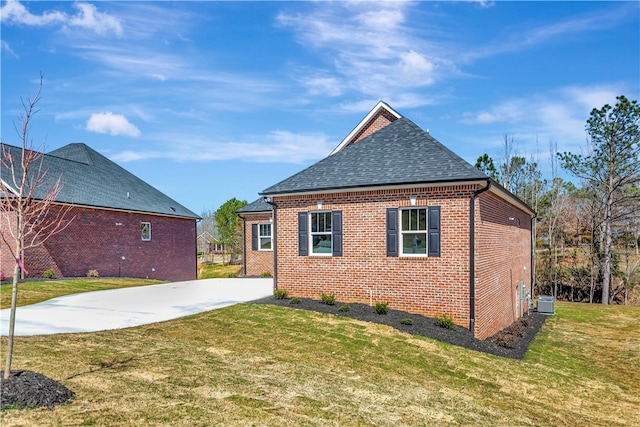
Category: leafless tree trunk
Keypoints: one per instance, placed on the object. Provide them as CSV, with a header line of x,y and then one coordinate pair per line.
x,y
28,205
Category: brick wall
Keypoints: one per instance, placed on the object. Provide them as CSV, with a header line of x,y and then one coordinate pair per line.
x,y
377,122
256,262
503,260
99,239
423,285
426,285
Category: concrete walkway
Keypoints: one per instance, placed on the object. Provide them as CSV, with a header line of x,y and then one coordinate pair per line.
x,y
123,308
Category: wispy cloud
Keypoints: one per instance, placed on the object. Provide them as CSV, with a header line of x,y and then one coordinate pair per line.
x,y
86,17
6,48
112,124
275,147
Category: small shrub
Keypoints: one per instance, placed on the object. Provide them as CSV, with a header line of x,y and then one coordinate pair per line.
x,y
381,308
280,294
231,275
265,274
49,274
329,299
407,321
295,300
505,340
93,273
444,321
344,307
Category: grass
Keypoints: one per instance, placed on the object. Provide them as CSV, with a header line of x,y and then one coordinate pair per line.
x,y
217,271
34,292
224,368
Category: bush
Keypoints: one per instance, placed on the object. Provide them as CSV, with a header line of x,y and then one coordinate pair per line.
x,y
280,294
406,321
295,300
505,340
93,273
49,274
329,299
344,307
381,308
444,321
231,275
265,274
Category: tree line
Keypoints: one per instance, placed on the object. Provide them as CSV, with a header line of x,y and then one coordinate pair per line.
x,y
586,232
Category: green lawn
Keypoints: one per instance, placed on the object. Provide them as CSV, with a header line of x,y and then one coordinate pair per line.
x,y
217,271
273,366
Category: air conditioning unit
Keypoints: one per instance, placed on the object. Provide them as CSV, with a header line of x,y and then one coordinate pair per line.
x,y
545,304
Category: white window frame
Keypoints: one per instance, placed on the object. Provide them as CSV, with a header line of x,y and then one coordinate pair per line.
x,y
313,234
142,233
265,236
425,231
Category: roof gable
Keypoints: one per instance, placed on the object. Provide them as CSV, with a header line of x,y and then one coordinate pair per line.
x,y
399,154
380,116
257,206
89,179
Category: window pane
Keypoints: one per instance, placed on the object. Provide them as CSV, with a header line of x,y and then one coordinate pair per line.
x,y
265,230
145,230
265,243
422,219
321,244
314,222
405,219
414,243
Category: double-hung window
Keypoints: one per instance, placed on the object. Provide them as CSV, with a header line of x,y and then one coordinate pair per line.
x,y
320,233
261,237
413,231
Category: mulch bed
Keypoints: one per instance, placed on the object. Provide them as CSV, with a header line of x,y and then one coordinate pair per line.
x,y
512,342
28,389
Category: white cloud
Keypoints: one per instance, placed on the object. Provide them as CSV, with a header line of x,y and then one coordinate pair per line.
x,y
276,147
112,124
5,47
87,17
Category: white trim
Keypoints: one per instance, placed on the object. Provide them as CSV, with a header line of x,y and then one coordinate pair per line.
x,y
8,187
379,106
402,232
320,233
270,236
142,224
510,198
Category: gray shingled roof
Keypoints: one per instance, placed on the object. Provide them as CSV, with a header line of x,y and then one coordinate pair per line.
x,y
257,206
90,179
400,153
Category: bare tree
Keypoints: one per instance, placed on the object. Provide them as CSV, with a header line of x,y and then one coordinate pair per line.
x,y
27,204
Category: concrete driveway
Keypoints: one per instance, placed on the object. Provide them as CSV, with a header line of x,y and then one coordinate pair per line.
x,y
123,308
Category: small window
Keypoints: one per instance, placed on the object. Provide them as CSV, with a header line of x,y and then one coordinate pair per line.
x,y
413,229
265,237
320,233
145,231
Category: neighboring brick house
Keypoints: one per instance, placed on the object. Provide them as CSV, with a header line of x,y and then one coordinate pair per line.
x,y
394,216
257,225
119,225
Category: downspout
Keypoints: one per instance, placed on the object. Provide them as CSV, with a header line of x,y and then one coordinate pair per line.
x,y
472,257
533,256
274,240
244,245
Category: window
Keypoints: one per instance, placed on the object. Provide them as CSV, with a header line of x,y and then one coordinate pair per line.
x,y
265,237
415,233
413,228
145,231
320,233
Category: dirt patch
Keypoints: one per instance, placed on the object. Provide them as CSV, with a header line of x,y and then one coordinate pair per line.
x,y
512,342
28,389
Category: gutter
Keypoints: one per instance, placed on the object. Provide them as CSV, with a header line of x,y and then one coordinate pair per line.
x,y
244,244
472,256
274,240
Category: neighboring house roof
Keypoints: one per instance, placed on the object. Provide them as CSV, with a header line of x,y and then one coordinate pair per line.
x,y
256,206
399,154
208,237
91,180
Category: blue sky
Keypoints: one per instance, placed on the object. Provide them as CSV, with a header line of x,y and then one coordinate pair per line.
x,y
212,100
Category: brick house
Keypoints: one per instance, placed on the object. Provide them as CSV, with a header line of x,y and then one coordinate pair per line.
x,y
120,225
392,215
257,225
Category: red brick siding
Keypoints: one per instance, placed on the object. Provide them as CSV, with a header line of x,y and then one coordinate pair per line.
x,y
256,262
503,259
426,285
98,239
376,123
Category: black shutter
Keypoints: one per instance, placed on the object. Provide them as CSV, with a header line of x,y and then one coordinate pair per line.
x,y
336,232
254,237
434,231
303,234
392,232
